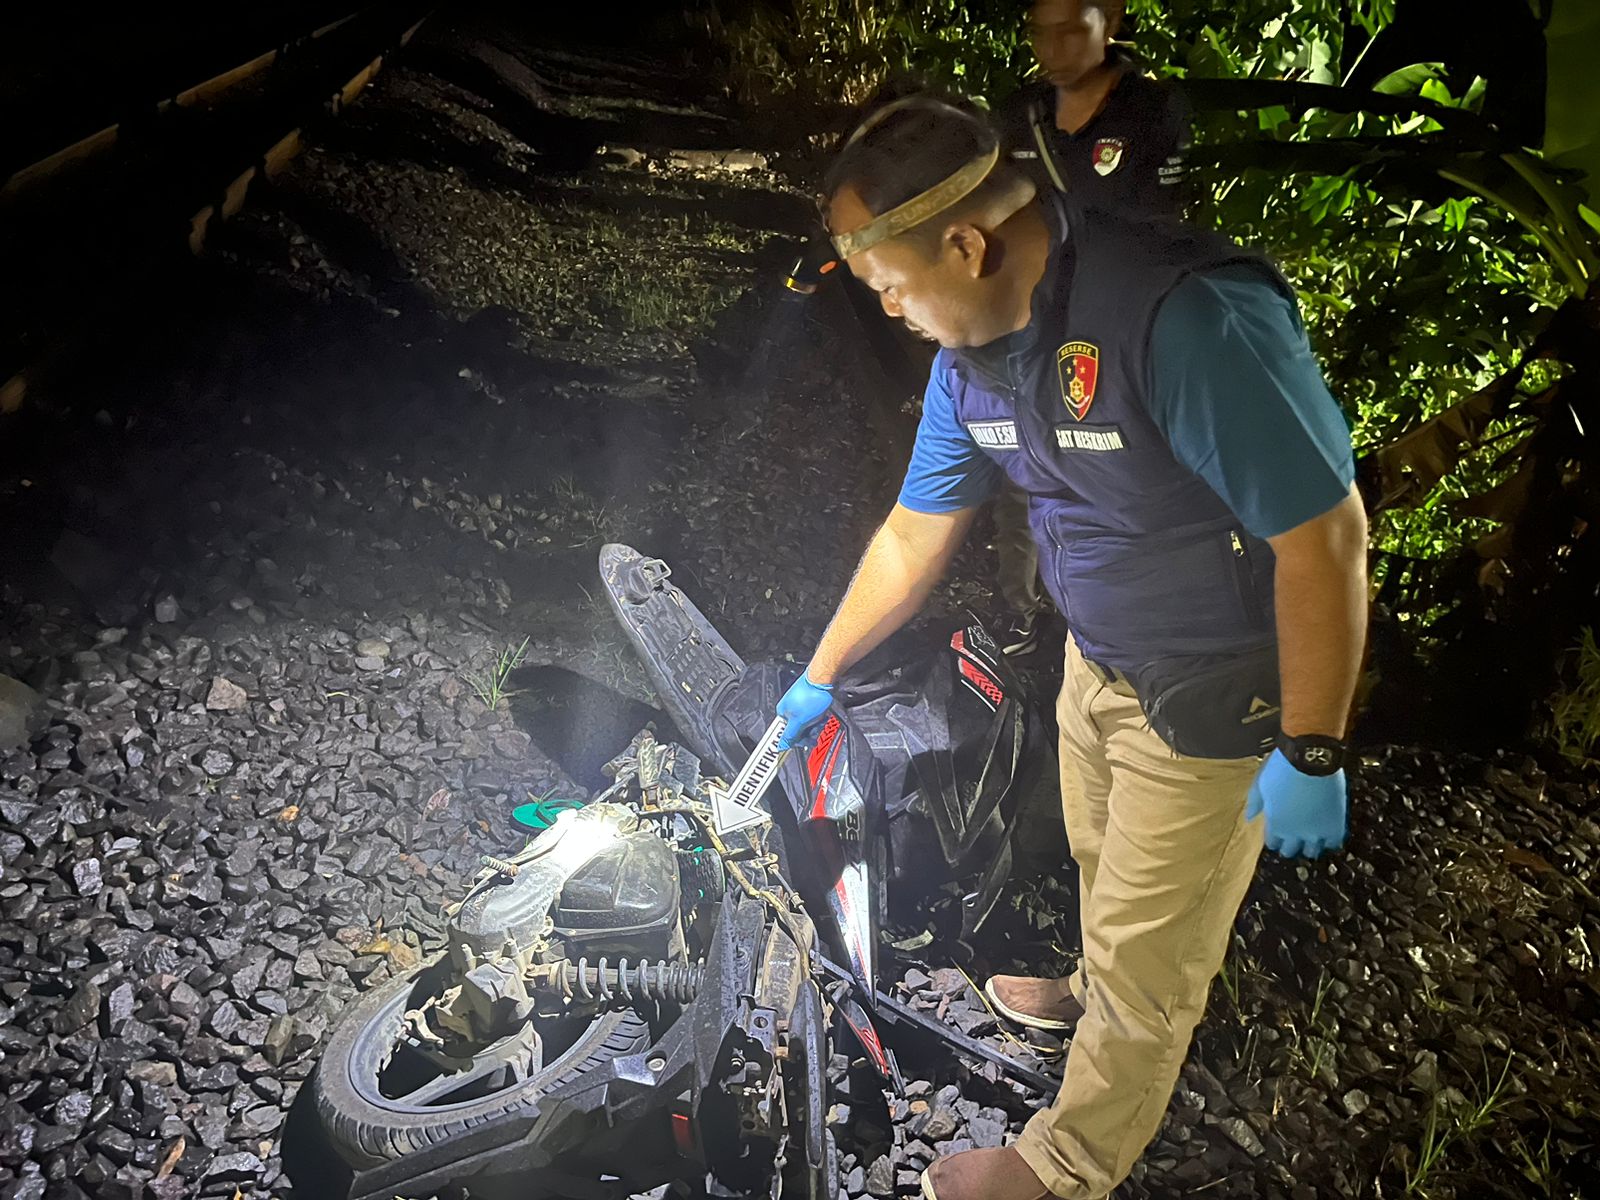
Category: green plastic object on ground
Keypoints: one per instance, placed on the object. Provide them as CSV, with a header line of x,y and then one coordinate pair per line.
x,y
538,815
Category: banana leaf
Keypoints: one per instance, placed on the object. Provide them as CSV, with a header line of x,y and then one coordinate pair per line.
x,y
1406,469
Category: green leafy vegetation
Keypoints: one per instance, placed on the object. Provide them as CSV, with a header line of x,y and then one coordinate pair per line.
x,y
1575,710
844,51
1444,269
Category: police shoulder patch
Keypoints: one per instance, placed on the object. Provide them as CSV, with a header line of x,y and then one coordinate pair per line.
x,y
1078,369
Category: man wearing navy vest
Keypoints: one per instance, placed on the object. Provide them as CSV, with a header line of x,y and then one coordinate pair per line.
x,y
1150,387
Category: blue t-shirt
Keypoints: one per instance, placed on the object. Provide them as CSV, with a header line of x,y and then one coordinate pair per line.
x,y
1234,390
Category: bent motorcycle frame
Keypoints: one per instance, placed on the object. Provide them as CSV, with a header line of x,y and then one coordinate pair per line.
x,y
745,1059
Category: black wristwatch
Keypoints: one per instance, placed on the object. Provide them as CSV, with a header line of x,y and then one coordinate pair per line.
x,y
1314,753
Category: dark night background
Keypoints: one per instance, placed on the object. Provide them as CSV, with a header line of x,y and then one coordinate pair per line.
x,y
278,491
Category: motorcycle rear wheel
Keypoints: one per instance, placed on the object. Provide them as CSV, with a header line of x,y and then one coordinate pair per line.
x,y
368,1129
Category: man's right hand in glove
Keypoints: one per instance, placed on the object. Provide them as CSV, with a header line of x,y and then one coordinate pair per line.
x,y
803,707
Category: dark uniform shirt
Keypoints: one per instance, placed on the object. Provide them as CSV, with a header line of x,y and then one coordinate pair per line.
x,y
1234,390
1129,157
1165,415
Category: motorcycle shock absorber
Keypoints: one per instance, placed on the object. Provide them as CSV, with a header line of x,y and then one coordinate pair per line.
x,y
646,979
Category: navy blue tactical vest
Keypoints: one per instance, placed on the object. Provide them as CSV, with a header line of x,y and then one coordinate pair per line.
x,y
1141,556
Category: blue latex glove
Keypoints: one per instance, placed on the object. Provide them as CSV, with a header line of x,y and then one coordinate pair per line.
x,y
803,706
1305,813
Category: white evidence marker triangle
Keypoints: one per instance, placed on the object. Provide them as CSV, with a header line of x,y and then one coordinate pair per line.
x,y
740,805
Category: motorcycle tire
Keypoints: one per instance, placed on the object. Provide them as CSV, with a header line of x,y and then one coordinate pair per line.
x,y
366,1131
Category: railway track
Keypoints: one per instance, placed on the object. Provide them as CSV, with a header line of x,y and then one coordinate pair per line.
x,y
83,227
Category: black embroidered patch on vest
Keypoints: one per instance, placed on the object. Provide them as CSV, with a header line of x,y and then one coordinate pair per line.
x,y
1090,437
1077,368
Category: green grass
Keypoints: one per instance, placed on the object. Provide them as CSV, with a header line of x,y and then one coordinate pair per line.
x,y
1575,710
1315,1045
490,686
586,521
655,298
1536,1165
1432,1000
1230,984
614,662
647,303
1449,1124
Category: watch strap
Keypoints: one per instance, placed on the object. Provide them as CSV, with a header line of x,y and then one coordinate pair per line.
x,y
1314,753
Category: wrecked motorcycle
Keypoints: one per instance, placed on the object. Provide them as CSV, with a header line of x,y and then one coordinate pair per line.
x,y
628,1001
639,996
933,773
933,770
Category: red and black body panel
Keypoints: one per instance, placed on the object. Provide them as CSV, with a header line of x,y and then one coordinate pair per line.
x,y
834,788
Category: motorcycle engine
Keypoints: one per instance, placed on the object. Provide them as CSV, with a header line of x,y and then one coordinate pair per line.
x,y
598,882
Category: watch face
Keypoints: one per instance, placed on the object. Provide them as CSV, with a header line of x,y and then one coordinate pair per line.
x,y
1313,754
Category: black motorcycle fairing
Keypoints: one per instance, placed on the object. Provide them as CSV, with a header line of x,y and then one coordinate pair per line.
x,y
624,901
961,756
955,715
687,660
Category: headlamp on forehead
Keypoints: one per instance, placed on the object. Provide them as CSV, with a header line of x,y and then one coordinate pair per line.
x,y
906,216
816,262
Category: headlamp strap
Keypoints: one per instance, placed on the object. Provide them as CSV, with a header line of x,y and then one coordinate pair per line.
x,y
919,208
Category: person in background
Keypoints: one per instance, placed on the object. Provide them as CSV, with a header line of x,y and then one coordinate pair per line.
x,y
1094,127
1103,134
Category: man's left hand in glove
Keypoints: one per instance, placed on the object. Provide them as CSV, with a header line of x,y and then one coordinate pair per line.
x,y
1306,813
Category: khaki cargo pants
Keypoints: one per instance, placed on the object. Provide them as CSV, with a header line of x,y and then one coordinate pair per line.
x,y
1165,858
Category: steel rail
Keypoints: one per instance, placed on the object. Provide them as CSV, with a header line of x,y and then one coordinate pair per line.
x,y
205,92
231,197
281,152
